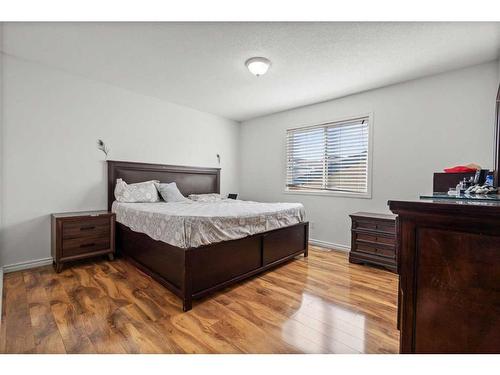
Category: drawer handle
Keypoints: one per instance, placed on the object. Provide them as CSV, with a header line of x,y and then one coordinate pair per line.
x,y
87,228
87,244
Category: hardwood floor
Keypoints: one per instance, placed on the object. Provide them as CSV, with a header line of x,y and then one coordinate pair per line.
x,y
319,304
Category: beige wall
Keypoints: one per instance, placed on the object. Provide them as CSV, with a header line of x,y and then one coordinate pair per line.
x,y
51,164
420,127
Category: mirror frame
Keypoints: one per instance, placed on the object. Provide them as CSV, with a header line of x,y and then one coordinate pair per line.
x,y
496,160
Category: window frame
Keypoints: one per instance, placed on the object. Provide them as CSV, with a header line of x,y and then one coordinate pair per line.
x,y
368,194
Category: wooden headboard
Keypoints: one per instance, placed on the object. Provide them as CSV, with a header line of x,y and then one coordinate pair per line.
x,y
190,180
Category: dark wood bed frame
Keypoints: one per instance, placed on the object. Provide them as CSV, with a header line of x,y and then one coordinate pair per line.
x,y
196,272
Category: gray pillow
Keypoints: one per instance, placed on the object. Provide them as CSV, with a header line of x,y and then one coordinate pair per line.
x,y
170,192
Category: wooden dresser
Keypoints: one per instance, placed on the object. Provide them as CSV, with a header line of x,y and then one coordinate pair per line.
x,y
78,235
373,239
449,272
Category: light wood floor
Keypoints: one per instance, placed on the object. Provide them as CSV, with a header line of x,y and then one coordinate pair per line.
x,y
320,304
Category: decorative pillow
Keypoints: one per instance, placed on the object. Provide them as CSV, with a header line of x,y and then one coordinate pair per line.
x,y
203,198
170,192
136,193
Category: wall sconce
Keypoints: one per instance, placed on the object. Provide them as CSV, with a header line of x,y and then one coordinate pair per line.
x,y
102,146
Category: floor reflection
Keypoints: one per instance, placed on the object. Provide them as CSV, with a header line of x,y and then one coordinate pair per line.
x,y
321,304
344,311
319,326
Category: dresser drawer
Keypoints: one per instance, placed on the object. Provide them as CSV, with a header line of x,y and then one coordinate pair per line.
x,y
374,238
91,227
78,246
375,250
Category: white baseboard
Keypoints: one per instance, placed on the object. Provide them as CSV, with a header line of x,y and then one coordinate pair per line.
x,y
27,265
329,245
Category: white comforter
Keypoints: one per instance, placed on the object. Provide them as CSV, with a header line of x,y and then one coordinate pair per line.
x,y
192,224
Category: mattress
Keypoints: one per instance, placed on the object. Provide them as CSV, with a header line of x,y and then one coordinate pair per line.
x,y
192,224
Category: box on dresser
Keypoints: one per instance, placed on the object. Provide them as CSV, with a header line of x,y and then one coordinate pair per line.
x,y
78,235
373,240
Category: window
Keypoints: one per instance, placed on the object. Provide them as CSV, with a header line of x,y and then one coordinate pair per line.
x,y
331,157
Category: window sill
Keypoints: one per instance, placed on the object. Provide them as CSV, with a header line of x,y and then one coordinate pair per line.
x,y
329,193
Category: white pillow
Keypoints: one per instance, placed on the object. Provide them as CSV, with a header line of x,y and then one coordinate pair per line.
x,y
170,192
136,193
205,197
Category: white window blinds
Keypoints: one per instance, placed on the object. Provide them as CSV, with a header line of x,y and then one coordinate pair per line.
x,y
329,157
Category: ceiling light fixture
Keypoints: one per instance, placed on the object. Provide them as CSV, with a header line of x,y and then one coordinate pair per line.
x,y
258,65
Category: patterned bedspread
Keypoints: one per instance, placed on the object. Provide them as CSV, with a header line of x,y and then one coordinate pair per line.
x,y
193,224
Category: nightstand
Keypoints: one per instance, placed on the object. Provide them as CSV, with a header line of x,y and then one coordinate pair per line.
x,y
373,240
79,235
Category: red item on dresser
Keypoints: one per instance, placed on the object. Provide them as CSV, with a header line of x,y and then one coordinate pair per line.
x,y
460,169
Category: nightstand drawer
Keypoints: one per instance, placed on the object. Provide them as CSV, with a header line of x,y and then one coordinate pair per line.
x,y
91,227
84,245
374,238
375,250
375,226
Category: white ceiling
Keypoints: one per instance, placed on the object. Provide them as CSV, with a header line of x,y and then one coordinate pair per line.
x,y
201,65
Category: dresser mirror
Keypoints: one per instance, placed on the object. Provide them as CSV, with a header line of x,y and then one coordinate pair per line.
x,y
497,141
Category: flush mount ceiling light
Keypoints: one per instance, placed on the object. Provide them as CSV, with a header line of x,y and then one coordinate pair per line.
x,y
258,65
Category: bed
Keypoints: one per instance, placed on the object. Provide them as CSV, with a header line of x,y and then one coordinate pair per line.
x,y
209,250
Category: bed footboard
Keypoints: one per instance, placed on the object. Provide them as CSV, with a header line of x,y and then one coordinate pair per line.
x,y
196,272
